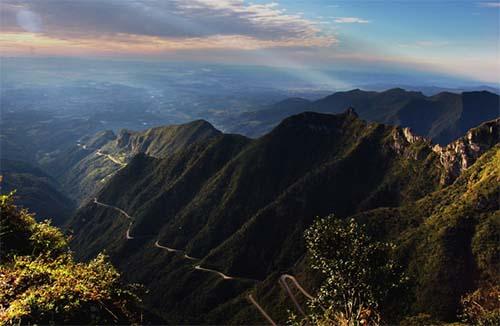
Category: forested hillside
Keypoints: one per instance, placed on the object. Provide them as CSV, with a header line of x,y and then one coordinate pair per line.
x,y
240,207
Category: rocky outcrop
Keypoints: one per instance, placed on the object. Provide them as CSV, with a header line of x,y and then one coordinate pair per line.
x,y
462,153
402,138
456,156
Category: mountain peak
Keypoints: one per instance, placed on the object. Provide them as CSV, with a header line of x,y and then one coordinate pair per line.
x,y
321,122
202,123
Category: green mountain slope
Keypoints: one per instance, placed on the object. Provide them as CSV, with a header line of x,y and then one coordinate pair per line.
x,y
241,205
448,239
85,168
447,243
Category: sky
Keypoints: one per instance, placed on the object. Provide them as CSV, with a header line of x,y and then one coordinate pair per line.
x,y
447,36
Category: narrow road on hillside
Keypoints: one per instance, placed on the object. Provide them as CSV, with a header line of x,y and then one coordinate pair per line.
x,y
224,276
121,211
282,280
111,158
113,207
261,310
157,244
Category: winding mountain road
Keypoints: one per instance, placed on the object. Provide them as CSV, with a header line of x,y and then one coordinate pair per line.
x,y
121,211
224,276
157,244
99,153
282,280
111,158
108,156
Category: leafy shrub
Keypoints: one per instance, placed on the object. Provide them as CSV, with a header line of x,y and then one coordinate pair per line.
x,y
40,283
482,307
20,234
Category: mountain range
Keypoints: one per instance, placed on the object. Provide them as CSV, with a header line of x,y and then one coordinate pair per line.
x,y
186,200
443,117
209,221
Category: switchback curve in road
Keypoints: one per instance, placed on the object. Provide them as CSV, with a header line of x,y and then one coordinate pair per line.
x,y
111,158
282,280
121,211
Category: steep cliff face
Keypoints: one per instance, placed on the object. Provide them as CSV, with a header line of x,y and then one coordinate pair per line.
x,y
456,156
403,138
462,153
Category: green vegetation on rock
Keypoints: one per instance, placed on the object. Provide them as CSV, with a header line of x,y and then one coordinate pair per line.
x,y
40,282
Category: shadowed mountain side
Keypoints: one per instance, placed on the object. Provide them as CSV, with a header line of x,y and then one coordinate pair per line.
x,y
241,205
35,190
446,243
443,117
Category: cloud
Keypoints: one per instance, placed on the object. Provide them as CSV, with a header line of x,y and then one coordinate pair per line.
x,y
350,20
489,4
170,20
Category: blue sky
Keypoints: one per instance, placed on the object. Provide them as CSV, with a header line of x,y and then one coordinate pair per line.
x,y
453,37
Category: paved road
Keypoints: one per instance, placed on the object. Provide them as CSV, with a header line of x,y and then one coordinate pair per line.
x,y
111,158
157,244
282,280
224,276
121,211
99,153
261,310
113,207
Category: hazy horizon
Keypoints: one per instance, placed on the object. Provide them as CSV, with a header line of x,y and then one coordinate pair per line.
x,y
451,39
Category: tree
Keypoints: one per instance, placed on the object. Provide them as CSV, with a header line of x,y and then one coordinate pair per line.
x,y
359,273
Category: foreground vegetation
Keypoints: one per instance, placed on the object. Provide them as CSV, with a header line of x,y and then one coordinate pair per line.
x,y
40,282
